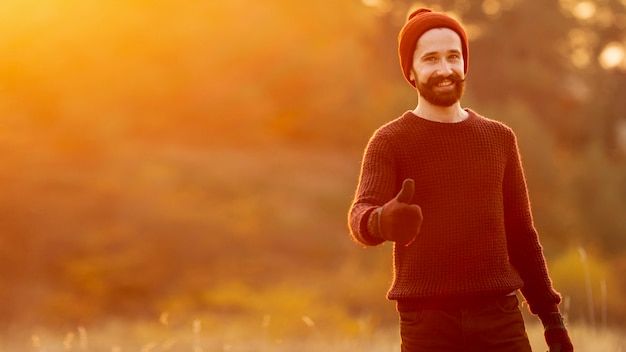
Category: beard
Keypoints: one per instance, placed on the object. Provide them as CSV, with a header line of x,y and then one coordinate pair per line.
x,y
428,90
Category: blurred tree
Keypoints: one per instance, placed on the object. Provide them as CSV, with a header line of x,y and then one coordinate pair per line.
x,y
517,56
597,45
546,54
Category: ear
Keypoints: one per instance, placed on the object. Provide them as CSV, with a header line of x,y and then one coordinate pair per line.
x,y
412,76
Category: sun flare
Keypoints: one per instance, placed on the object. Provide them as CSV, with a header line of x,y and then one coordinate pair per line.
x,y
584,10
613,55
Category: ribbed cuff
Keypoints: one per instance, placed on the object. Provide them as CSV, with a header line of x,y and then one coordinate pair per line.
x,y
552,320
373,224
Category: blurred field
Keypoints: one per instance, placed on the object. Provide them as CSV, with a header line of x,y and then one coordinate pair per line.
x,y
211,334
270,269
178,175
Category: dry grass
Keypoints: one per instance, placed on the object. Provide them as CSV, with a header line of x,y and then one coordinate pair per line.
x,y
203,335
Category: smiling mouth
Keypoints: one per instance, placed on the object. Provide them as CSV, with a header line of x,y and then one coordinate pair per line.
x,y
445,84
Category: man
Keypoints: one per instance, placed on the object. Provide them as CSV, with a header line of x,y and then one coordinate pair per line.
x,y
447,186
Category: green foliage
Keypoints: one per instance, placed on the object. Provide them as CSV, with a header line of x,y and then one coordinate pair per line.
x,y
597,188
578,274
545,173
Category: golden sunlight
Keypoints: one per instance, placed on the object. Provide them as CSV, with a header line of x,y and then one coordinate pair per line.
x,y
580,41
613,55
584,10
380,5
491,7
371,3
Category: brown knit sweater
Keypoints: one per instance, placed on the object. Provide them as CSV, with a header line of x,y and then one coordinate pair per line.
x,y
477,237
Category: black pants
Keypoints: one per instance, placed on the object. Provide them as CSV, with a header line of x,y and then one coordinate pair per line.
x,y
496,326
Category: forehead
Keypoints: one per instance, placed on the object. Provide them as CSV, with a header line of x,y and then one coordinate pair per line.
x,y
438,40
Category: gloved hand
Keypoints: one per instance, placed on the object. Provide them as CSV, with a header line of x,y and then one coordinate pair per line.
x,y
398,220
555,333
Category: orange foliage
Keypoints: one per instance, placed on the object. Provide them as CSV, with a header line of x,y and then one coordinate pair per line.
x,y
154,152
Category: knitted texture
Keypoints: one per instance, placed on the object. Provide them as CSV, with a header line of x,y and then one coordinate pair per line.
x,y
477,236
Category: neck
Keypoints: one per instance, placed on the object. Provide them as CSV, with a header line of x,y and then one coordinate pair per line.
x,y
447,114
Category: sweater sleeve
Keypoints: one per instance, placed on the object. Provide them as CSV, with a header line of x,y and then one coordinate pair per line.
x,y
525,251
376,187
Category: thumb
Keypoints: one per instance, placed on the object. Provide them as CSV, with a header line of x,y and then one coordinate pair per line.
x,y
406,193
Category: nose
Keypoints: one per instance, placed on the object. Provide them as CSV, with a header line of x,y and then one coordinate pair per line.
x,y
445,68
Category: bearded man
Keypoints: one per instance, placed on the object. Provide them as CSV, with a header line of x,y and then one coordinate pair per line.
x,y
446,185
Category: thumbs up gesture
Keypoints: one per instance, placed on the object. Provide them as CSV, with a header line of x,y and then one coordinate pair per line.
x,y
398,220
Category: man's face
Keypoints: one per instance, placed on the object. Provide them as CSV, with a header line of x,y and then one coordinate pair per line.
x,y
438,67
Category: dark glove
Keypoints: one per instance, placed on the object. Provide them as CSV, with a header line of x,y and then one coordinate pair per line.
x,y
555,333
398,220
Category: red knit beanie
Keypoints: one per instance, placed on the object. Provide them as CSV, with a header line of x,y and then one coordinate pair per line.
x,y
420,21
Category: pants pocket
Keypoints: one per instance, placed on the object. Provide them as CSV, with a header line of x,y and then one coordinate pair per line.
x,y
508,304
411,317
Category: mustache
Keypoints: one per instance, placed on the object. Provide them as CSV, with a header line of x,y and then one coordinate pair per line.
x,y
454,77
